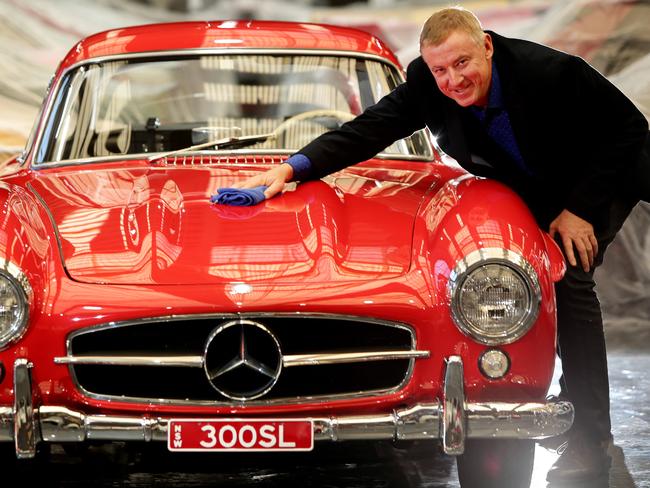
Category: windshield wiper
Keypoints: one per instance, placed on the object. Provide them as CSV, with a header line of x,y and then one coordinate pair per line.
x,y
244,141
227,142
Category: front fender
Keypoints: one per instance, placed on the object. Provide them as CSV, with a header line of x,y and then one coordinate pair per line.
x,y
26,235
469,214
27,242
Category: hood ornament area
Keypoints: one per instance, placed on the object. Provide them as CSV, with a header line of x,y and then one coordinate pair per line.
x,y
242,359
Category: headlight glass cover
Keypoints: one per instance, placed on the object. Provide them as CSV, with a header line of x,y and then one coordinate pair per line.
x,y
15,294
495,296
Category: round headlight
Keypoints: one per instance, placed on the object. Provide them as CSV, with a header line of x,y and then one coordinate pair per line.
x,y
14,304
495,296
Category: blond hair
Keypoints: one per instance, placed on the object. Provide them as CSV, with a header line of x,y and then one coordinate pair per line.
x,y
441,24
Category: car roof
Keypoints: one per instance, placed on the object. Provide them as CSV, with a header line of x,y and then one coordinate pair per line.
x,y
225,34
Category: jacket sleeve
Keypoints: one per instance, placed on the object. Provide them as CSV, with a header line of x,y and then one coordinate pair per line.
x,y
613,131
394,117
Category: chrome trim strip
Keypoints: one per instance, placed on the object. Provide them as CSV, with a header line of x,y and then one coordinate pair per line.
x,y
419,421
23,412
47,112
453,408
185,361
288,361
505,257
351,357
247,315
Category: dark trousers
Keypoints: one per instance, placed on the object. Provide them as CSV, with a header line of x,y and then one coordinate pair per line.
x,y
581,338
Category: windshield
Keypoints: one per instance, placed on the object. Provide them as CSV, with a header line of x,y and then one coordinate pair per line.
x,y
153,105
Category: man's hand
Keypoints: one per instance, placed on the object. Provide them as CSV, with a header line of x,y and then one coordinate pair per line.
x,y
274,179
578,233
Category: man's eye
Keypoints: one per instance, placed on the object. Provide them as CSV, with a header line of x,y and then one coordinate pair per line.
x,y
462,62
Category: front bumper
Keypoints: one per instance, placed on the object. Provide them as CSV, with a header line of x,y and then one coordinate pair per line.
x,y
451,420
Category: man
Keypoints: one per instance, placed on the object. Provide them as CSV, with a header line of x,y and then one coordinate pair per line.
x,y
549,126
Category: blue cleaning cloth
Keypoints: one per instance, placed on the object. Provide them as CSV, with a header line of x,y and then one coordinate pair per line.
x,y
239,197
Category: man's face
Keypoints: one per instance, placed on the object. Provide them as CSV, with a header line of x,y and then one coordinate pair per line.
x,y
461,67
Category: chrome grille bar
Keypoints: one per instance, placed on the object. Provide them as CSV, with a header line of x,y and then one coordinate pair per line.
x,y
351,357
185,361
287,361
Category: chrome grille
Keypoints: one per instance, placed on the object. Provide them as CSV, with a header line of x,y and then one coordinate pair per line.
x,y
161,360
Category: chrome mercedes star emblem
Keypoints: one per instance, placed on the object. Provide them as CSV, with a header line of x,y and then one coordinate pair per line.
x,y
242,359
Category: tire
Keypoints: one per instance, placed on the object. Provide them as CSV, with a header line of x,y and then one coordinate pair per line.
x,y
496,463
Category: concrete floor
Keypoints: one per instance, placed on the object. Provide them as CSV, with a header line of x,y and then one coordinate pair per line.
x,y
355,464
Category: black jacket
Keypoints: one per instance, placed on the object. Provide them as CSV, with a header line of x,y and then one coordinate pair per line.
x,y
581,137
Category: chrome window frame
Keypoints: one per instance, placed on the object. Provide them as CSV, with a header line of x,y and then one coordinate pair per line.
x,y
52,107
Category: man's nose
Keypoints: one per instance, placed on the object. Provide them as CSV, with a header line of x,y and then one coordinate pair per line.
x,y
455,77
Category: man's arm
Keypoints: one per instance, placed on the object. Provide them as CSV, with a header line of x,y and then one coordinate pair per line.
x,y
394,117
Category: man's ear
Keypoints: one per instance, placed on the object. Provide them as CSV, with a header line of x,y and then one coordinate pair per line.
x,y
487,44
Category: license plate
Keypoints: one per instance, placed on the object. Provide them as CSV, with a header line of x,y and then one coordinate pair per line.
x,y
240,435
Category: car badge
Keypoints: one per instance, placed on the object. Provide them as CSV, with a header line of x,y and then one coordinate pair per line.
x,y
242,359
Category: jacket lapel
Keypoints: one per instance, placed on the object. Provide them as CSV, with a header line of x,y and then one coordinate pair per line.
x,y
514,100
456,143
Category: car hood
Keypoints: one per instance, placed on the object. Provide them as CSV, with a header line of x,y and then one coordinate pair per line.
x,y
156,225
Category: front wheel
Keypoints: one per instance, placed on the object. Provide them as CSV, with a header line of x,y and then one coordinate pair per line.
x,y
496,463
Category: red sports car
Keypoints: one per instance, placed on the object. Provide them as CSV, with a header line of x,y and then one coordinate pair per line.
x,y
399,299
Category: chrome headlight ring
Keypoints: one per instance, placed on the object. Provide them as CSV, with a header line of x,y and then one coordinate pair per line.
x,y
15,298
494,296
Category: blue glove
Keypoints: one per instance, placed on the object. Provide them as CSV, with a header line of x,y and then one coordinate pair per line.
x,y
239,197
